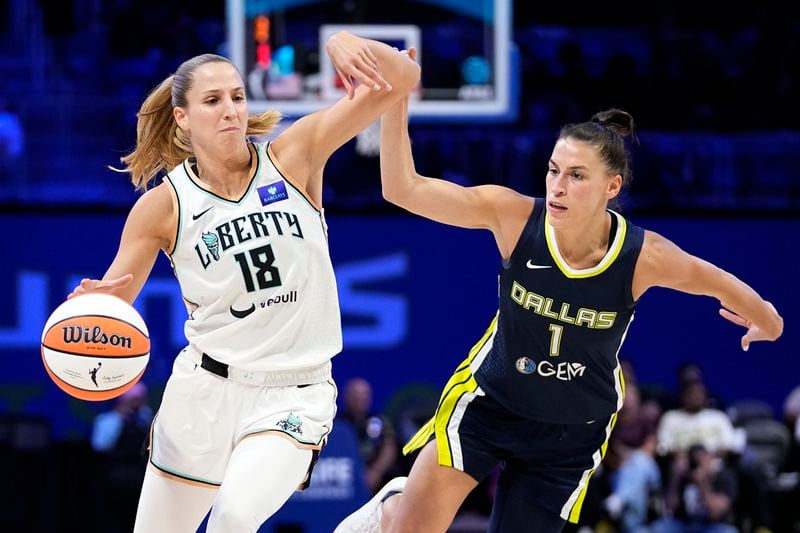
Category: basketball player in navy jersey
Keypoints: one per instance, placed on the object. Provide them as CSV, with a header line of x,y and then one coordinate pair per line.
x,y
250,400
540,391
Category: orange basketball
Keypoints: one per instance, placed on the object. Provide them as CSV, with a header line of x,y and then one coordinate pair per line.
x,y
95,346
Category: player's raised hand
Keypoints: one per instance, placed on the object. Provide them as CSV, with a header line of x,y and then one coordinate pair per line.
x,y
95,285
754,332
355,63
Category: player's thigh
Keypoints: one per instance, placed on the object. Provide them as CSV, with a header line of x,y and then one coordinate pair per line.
x,y
264,471
171,505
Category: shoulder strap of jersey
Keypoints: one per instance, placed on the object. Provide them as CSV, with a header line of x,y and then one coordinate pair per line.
x,y
529,231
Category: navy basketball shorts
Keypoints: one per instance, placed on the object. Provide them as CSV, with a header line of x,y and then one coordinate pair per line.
x,y
546,465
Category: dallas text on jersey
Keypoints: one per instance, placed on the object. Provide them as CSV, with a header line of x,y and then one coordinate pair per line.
x,y
543,306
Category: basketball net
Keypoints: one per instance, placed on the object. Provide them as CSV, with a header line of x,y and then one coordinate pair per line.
x,y
368,141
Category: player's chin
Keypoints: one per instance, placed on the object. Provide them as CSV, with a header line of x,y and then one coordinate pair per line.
x,y
231,137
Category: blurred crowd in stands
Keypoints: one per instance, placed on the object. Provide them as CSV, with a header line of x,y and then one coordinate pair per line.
x,y
716,100
675,462
679,459
676,68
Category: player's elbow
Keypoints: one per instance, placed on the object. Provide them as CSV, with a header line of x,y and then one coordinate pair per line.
x,y
775,327
400,192
406,76
392,193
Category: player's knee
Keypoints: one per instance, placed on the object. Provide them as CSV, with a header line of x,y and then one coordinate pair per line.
x,y
231,516
396,519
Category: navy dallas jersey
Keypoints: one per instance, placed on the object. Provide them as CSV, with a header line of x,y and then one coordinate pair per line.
x,y
553,354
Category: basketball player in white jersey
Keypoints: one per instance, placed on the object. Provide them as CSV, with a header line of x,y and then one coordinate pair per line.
x,y
250,400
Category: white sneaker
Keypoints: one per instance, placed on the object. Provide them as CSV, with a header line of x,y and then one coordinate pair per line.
x,y
367,518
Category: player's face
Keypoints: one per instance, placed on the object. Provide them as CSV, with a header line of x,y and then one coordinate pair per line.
x,y
578,183
216,111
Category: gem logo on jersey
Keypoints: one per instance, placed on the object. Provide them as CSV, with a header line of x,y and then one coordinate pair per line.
x,y
563,371
274,192
212,243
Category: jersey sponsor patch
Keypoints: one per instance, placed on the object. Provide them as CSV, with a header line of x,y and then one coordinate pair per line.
x,y
273,192
280,299
562,371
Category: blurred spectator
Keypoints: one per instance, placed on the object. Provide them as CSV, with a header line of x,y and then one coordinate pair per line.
x,y
632,451
690,372
649,397
797,431
700,495
118,436
694,423
12,142
791,415
377,443
791,407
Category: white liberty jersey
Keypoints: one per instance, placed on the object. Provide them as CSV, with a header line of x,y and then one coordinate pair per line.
x,y
256,273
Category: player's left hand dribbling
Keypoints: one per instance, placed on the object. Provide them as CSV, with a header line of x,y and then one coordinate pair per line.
x,y
87,286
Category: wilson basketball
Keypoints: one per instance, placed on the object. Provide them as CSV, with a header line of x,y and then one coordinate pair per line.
x,y
95,346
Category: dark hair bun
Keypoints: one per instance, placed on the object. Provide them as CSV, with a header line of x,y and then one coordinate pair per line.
x,y
616,120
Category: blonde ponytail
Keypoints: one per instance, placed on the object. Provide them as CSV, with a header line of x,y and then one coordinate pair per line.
x,y
263,123
160,143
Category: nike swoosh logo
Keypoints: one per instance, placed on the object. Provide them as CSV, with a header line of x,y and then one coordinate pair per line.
x,y
242,314
198,215
536,267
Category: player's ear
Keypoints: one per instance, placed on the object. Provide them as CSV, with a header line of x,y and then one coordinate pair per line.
x,y
180,117
614,187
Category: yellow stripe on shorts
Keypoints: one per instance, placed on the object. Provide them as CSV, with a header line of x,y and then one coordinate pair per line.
x,y
575,511
460,383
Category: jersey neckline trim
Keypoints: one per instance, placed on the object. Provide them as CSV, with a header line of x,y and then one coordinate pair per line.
x,y
196,181
602,266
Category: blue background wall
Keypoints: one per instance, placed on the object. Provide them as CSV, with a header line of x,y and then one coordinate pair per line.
x,y
415,296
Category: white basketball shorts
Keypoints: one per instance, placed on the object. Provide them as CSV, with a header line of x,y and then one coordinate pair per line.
x,y
204,416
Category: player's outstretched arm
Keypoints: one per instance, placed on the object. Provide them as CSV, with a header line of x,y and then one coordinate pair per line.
x,y
384,76
663,264
150,227
499,209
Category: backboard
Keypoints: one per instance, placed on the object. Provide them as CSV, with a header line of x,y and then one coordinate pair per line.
x,y
468,69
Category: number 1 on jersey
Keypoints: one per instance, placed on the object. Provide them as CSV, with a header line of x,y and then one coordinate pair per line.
x,y
555,339
262,258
